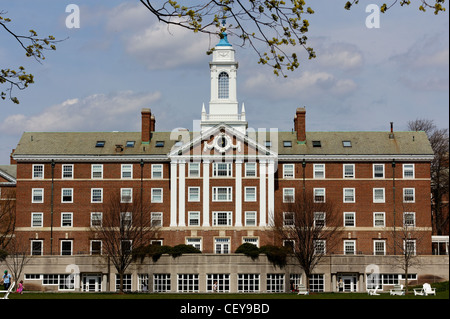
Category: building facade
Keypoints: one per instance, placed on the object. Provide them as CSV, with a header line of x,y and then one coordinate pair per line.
x,y
222,184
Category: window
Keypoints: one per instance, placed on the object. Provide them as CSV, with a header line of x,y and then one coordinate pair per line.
x,y
37,219
349,170
96,219
275,283
408,171
157,195
194,194
408,195
222,169
287,143
317,283
346,143
319,219
38,171
218,282
194,170
349,195
409,219
316,144
223,85
349,247
100,144
409,246
66,219
319,247
288,195
221,245
222,194
161,283
194,218
67,195
194,242
319,195
250,218
268,143
67,171
126,219
288,219
130,143
126,195
188,283
251,240
36,247
250,169
96,195
156,219
96,247
349,219
157,171
378,170
159,143
378,219
37,195
248,282
319,170
142,282
379,247
97,171
222,218
250,194
288,171
127,171
66,247
126,282
378,195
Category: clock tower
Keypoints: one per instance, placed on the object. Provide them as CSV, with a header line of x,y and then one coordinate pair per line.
x,y
223,106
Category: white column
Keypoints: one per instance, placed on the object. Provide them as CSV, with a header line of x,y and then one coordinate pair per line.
x,y
238,197
205,193
262,193
173,193
270,191
182,193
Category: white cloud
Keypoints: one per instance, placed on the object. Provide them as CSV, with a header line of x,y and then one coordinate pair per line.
x,y
96,112
341,55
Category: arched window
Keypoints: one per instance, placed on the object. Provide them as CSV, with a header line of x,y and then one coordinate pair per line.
x,y
223,85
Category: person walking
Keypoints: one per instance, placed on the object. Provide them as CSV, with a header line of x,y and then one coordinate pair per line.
x,y
6,280
20,287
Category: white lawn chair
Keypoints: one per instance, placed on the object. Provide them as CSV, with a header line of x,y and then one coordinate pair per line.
x,y
7,292
425,290
397,290
373,291
302,290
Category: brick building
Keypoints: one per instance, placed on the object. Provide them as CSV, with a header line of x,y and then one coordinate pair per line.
x,y
222,184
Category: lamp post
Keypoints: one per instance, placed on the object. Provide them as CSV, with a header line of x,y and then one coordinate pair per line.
x,y
393,197
51,209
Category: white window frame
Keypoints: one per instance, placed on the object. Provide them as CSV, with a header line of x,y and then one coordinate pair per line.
x,y
128,170
344,175
413,195
247,193
350,244
319,171
157,171
156,219
38,218
376,250
222,245
97,169
374,172
411,170
191,192
194,170
228,170
320,217
194,216
154,199
229,194
353,219
324,195
41,251
71,247
123,198
228,218
63,171
376,200
33,195
288,219
353,200
195,242
251,218
71,195
38,174
251,171
413,219
320,246
96,217
91,251
375,220
92,195
64,216
289,171
410,241
286,196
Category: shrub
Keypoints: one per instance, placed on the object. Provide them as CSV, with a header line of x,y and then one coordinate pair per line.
x,y
155,251
276,255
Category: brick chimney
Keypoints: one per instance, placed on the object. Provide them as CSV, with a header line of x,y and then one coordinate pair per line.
x,y
300,124
146,116
152,123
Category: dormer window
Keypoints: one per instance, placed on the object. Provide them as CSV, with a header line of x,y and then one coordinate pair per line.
x,y
223,85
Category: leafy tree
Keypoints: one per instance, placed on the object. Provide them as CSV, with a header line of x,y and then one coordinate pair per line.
x,y
34,46
278,25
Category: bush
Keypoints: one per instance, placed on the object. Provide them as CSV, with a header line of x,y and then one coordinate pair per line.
x,y
3,255
249,250
276,255
155,251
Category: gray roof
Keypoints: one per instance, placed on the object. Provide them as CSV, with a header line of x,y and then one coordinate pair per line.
x,y
84,144
9,172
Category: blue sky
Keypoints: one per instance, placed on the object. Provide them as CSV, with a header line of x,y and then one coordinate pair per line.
x,y
121,60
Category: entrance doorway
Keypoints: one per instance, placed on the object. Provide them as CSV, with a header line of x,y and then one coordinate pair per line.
x,y
347,283
92,283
